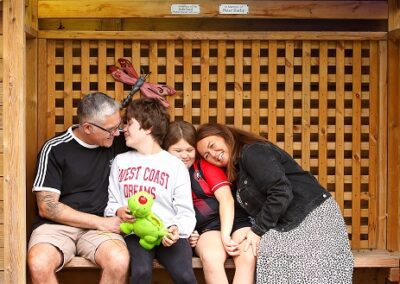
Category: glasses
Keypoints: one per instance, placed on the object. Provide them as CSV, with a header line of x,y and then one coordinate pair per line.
x,y
110,131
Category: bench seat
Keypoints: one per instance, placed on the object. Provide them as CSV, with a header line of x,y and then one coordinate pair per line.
x,y
362,259
80,262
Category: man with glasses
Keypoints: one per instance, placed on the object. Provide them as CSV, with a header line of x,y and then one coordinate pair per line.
x,y
71,188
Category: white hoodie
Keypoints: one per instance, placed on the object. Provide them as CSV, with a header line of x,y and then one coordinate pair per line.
x,y
162,175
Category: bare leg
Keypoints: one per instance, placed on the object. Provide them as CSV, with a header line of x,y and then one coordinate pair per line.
x,y
245,263
113,258
43,261
212,254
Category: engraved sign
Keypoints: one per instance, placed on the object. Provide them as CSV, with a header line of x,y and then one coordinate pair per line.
x,y
188,9
233,9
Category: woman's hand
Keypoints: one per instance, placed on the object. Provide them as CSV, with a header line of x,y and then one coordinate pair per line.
x,y
231,247
252,240
125,214
194,238
172,236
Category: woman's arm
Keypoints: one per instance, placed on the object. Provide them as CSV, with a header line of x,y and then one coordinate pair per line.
x,y
226,210
226,215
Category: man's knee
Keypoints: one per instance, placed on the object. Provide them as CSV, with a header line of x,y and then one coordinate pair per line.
x,y
113,256
43,259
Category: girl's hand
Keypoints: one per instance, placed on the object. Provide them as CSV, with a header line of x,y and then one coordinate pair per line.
x,y
172,236
125,214
252,240
231,247
194,238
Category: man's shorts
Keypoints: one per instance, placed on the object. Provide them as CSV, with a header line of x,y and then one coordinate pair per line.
x,y
72,241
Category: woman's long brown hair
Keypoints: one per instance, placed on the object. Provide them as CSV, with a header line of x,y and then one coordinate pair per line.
x,y
234,138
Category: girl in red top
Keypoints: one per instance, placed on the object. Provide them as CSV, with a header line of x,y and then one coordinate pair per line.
x,y
221,224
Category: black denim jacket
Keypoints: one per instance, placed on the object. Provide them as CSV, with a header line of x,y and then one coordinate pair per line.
x,y
274,189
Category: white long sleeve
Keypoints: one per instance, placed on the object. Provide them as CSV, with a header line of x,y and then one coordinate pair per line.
x,y
162,175
115,198
185,217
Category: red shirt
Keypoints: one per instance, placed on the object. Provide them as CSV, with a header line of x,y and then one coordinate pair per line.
x,y
206,179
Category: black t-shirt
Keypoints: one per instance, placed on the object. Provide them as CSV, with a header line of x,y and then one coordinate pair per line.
x,y
77,171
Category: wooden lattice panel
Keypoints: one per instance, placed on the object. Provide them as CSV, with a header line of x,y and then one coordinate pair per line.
x,y
316,99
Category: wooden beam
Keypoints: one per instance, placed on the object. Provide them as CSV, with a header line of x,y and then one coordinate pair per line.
x,y
394,275
393,15
211,24
30,32
210,35
210,8
375,258
14,142
394,34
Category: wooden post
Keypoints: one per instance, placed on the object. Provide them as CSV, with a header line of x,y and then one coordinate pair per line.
x,y
14,142
393,129
382,162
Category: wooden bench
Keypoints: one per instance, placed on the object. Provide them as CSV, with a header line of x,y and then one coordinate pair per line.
x,y
362,259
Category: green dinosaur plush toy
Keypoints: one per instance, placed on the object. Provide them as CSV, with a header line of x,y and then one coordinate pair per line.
x,y
147,226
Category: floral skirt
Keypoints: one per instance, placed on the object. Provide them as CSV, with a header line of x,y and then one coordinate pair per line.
x,y
317,251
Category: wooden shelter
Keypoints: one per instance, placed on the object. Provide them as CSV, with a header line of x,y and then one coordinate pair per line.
x,y
319,78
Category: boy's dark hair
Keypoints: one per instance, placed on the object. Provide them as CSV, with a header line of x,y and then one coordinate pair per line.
x,y
151,115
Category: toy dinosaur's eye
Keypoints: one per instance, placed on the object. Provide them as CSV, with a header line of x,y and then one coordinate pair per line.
x,y
142,200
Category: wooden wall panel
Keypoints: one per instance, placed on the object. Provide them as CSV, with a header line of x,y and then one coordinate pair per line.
x,y
320,100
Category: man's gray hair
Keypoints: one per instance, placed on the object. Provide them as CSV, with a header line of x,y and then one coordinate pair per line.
x,y
95,107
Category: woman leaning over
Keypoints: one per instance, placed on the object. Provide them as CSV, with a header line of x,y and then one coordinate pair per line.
x,y
299,233
221,226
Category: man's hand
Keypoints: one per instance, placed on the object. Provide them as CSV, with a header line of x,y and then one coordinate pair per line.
x,y
109,224
172,236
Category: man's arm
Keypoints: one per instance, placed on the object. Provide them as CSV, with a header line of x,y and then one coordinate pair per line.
x,y
50,208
